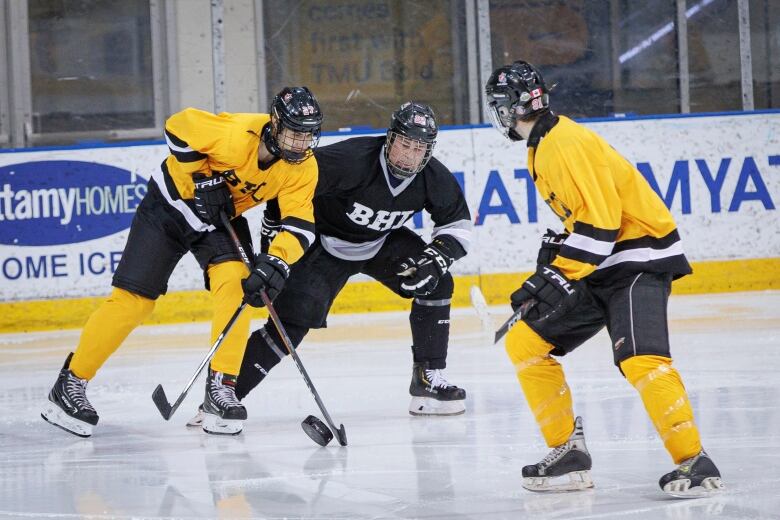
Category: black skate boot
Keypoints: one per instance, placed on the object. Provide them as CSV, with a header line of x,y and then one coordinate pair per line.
x,y
570,459
695,477
223,412
68,406
432,394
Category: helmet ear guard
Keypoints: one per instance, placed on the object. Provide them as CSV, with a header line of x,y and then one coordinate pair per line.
x,y
515,92
412,126
296,121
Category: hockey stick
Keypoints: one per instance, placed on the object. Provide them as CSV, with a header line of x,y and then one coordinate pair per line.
x,y
512,321
341,435
158,396
481,307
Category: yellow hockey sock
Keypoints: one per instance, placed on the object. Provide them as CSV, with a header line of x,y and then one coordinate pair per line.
x,y
543,383
107,328
666,402
225,280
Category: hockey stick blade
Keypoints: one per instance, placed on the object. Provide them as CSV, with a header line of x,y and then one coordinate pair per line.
x,y
161,401
481,308
341,435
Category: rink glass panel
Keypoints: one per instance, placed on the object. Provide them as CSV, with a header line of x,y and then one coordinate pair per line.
x,y
714,64
765,47
594,52
362,59
4,100
90,65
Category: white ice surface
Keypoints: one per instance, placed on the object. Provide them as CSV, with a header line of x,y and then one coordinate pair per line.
x,y
727,348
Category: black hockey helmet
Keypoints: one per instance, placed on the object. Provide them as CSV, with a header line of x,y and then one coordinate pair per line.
x,y
515,92
411,126
296,121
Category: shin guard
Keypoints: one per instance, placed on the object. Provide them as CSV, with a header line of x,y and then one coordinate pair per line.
x,y
666,402
107,328
430,322
264,351
543,383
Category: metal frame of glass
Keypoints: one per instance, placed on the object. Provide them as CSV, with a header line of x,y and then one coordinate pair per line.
x,y
476,65
17,53
4,105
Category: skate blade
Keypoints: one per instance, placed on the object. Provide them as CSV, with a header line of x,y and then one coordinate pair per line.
x,y
216,425
52,414
196,420
682,488
423,406
577,481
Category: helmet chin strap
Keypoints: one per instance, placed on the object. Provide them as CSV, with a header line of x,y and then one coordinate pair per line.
x,y
514,136
270,141
397,175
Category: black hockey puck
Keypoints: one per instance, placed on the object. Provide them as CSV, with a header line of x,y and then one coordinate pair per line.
x,y
317,430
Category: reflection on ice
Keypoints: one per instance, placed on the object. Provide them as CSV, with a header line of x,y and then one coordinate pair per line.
x,y
397,466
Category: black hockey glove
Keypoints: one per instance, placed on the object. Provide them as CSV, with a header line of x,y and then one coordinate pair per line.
x,y
551,245
551,290
421,274
268,232
268,274
212,197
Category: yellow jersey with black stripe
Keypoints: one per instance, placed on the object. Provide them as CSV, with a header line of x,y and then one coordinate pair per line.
x,y
617,224
202,142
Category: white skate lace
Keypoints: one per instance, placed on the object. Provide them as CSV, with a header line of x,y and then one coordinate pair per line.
x,y
436,379
224,395
76,389
554,455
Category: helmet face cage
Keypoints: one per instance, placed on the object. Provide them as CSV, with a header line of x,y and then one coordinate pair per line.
x,y
515,92
296,122
501,111
410,139
405,156
293,146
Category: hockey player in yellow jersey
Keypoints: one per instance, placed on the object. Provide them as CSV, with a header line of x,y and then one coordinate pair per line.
x,y
613,266
225,163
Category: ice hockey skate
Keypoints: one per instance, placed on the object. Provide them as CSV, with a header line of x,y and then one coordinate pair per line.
x,y
695,477
197,419
68,406
565,468
432,394
223,413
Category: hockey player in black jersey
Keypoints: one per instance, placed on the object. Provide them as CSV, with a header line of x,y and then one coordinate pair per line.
x,y
368,188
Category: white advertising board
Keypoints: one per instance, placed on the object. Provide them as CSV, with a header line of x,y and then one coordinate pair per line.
x,y
65,213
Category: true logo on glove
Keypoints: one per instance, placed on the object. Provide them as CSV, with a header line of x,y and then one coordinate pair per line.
x,y
563,282
210,181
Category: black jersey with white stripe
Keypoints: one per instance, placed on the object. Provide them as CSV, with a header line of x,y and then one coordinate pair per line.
x,y
357,201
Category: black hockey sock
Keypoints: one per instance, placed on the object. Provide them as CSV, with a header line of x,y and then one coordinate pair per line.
x,y
430,321
264,350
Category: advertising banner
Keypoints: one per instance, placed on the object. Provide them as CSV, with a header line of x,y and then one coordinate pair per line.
x,y
65,214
